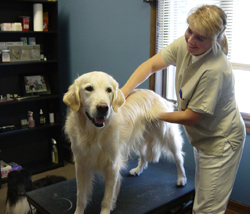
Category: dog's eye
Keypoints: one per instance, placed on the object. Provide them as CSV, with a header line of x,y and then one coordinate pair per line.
x,y
89,88
109,90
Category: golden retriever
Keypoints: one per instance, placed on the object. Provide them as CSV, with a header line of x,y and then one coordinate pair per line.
x,y
104,128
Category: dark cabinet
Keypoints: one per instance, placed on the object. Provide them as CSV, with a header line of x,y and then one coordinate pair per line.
x,y
30,147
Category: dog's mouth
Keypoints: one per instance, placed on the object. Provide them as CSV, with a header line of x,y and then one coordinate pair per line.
x,y
98,121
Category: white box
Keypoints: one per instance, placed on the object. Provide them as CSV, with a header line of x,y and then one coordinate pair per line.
x,y
13,43
5,56
6,27
5,169
17,26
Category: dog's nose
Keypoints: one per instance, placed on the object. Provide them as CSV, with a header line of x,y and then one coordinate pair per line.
x,y
102,108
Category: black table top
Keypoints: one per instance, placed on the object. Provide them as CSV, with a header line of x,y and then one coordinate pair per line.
x,y
153,191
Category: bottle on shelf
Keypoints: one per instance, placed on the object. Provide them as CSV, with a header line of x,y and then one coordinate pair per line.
x,y
42,118
51,118
31,121
54,151
51,115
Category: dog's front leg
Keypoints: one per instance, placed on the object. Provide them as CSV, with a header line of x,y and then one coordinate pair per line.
x,y
84,187
112,187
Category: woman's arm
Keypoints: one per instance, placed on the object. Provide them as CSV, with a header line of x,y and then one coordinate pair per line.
x,y
187,117
150,66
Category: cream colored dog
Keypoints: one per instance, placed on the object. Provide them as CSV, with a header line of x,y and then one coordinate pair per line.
x,y
104,129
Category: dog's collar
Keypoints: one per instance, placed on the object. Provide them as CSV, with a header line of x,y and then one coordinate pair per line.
x,y
93,121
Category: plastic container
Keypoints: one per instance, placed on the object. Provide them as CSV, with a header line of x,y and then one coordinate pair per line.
x,y
5,55
25,20
42,118
51,118
31,121
54,151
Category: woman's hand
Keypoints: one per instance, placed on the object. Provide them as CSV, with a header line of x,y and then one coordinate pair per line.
x,y
125,92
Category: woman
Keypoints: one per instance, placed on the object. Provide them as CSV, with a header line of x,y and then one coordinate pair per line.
x,y
206,101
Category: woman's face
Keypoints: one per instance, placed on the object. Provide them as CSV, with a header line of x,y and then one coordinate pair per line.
x,y
197,44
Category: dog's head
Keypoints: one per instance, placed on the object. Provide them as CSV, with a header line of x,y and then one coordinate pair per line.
x,y
19,182
97,94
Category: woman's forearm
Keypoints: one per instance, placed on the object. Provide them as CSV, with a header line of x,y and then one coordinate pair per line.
x,y
138,77
187,117
152,65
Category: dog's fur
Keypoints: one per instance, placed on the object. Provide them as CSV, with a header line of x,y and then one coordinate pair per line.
x,y
104,129
19,182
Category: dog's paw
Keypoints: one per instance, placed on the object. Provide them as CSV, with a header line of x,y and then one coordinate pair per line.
x,y
79,211
135,172
182,181
105,211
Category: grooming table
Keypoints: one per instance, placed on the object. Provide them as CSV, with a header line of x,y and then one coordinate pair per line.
x,y
154,191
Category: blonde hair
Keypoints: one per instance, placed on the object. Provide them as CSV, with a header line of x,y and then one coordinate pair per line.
x,y
211,21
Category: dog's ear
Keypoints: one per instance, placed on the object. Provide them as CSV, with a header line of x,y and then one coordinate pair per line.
x,y
118,99
72,97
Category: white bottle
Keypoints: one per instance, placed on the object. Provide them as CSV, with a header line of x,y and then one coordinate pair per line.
x,y
31,121
51,118
54,151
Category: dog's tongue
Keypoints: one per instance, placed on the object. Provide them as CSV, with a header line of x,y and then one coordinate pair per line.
x,y
99,120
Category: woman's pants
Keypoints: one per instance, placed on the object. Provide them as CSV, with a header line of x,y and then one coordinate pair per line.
x,y
214,179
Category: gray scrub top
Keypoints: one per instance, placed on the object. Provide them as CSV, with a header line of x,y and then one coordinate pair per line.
x,y
207,86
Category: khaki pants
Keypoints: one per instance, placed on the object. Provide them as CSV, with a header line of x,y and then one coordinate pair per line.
x,y
214,179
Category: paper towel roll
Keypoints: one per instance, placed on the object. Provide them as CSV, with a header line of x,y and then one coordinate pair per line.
x,y
38,17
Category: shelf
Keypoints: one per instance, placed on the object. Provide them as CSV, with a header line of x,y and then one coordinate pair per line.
x,y
43,97
28,32
27,129
27,62
18,144
33,1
